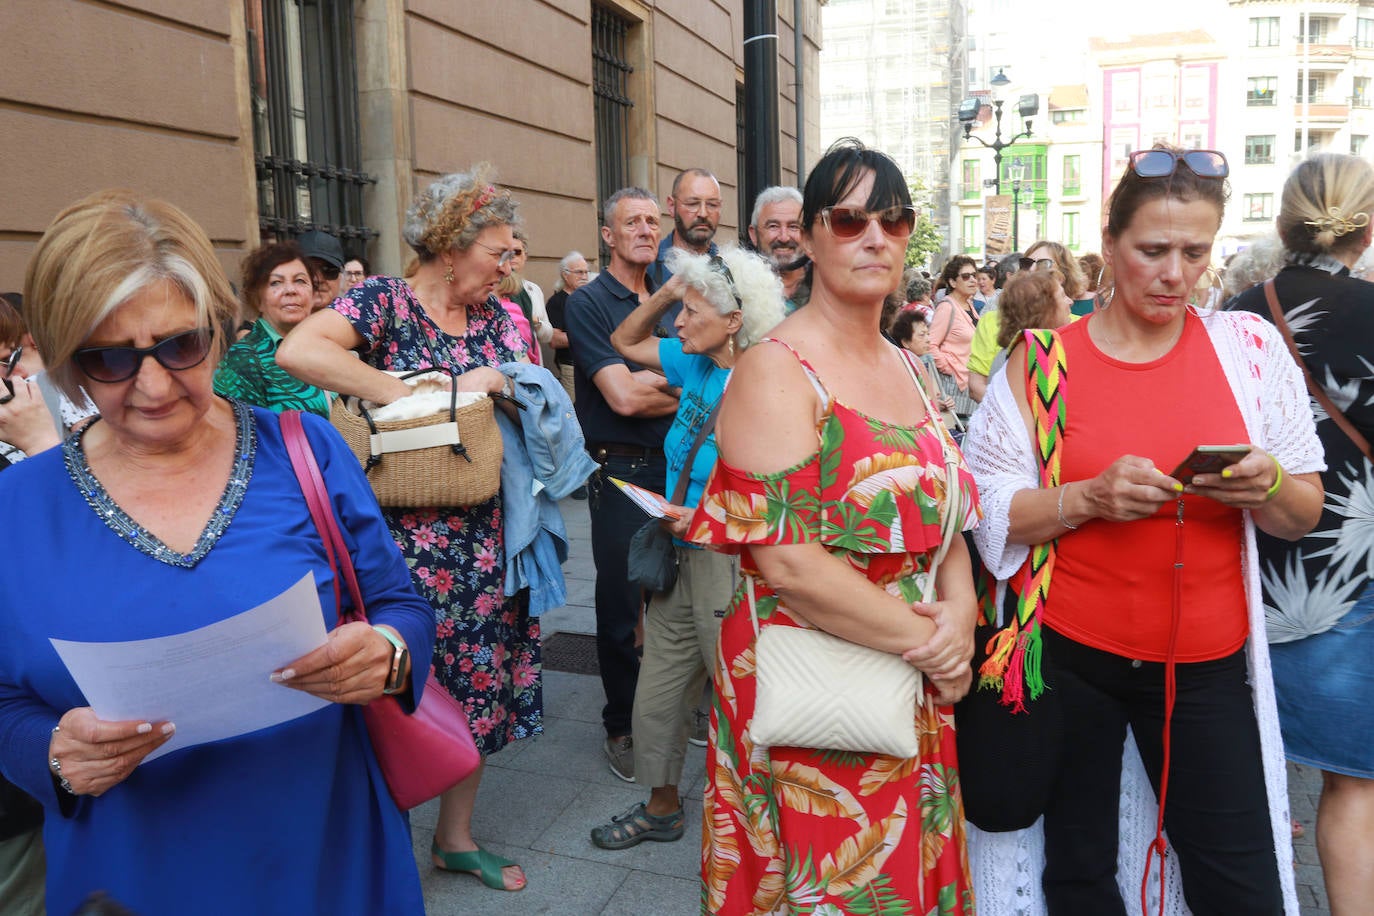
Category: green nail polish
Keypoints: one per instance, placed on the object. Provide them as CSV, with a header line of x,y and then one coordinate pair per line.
x,y
1178,488
1226,472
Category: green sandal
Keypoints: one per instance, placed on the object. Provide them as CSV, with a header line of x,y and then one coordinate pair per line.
x,y
637,825
488,864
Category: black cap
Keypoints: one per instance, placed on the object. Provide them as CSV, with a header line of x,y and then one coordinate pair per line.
x,y
322,245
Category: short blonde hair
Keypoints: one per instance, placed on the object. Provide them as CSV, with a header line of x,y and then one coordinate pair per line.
x,y
101,251
1319,185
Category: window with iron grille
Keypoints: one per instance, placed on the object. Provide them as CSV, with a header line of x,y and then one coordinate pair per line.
x,y
304,86
1259,149
1260,90
1259,207
611,71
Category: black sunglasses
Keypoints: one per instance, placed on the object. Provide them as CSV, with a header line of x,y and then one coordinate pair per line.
x,y
1161,163
117,364
8,368
850,222
715,263
1036,264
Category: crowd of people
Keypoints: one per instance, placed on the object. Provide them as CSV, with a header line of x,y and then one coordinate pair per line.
x,y
1128,598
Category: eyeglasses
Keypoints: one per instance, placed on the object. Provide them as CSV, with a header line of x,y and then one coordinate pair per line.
x,y
965,276
577,273
1161,163
506,254
715,263
693,206
8,367
850,222
117,364
1036,264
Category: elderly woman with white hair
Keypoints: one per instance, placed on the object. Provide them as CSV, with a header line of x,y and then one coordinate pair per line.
x,y
487,654
729,301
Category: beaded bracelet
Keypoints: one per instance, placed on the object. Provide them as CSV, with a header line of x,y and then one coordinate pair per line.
x,y
55,766
1278,479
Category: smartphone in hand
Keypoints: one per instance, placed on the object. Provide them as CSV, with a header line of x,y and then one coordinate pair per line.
x,y
1209,459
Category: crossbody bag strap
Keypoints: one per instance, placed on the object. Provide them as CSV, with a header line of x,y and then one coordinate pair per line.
x,y
684,479
1332,411
321,510
949,521
1014,652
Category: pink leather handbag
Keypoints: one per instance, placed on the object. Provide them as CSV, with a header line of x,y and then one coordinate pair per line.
x,y
423,753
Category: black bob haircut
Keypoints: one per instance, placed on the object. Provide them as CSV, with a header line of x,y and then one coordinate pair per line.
x,y
841,168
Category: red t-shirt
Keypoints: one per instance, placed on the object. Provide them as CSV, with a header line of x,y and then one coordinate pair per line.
x,y
1112,586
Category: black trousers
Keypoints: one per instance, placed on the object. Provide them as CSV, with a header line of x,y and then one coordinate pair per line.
x,y
614,521
1216,812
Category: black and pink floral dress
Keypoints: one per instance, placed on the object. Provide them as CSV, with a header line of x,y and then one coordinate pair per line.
x,y
487,648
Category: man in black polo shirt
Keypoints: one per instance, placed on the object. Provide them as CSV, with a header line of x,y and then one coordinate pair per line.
x,y
625,411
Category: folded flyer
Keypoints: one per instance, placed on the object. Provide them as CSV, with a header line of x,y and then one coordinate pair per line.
x,y
652,503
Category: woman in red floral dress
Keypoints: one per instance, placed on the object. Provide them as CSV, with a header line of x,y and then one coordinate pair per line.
x,y
834,512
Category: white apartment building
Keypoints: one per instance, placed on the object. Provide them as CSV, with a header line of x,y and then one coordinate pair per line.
x,y
1299,78
891,74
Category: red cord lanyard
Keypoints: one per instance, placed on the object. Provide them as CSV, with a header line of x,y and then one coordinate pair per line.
x,y
1157,846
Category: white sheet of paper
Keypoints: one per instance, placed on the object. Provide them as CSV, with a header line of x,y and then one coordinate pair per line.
x,y
212,683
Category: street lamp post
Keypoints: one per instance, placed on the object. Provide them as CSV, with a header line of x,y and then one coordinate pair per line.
x,y
1017,171
1028,106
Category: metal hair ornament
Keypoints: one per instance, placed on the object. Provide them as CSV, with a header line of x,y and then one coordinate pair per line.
x,y
1337,224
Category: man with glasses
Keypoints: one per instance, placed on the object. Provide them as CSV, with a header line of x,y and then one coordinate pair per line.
x,y
325,258
775,233
572,276
625,411
694,205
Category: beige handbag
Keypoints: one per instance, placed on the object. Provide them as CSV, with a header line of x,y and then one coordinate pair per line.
x,y
452,458
817,690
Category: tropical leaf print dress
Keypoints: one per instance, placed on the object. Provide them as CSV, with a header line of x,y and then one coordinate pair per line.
x,y
799,830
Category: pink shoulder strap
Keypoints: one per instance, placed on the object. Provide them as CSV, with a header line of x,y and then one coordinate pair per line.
x,y
321,511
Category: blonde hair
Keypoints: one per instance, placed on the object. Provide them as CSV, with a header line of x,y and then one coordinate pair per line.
x,y
1327,202
510,286
1070,273
105,249
760,291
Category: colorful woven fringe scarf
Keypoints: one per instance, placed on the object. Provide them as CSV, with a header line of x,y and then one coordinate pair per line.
x,y
1015,651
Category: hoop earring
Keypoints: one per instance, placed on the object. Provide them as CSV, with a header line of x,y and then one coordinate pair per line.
x,y
1215,292
1104,300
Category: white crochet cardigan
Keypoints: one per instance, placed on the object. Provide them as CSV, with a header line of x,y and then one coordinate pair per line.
x,y
1272,397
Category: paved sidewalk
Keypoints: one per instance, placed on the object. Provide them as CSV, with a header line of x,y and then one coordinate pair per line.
x,y
541,797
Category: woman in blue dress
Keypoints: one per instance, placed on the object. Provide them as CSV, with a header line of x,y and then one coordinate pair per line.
x,y
444,314
173,511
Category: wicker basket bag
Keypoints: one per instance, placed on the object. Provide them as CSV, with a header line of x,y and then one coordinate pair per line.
x,y
451,458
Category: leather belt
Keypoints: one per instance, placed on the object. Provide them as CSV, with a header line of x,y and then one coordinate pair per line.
x,y
600,450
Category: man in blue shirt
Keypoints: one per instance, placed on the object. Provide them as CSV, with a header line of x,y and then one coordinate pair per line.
x,y
625,411
694,206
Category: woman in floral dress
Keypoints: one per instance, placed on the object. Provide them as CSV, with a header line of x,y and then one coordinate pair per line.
x,y
834,512
487,651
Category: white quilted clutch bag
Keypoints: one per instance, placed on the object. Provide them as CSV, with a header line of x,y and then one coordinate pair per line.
x,y
818,690
815,689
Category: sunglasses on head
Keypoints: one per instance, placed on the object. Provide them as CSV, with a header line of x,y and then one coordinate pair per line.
x,y
117,364
1161,163
717,264
850,222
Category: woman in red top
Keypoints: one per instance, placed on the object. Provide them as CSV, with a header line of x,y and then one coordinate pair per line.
x,y
1124,626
